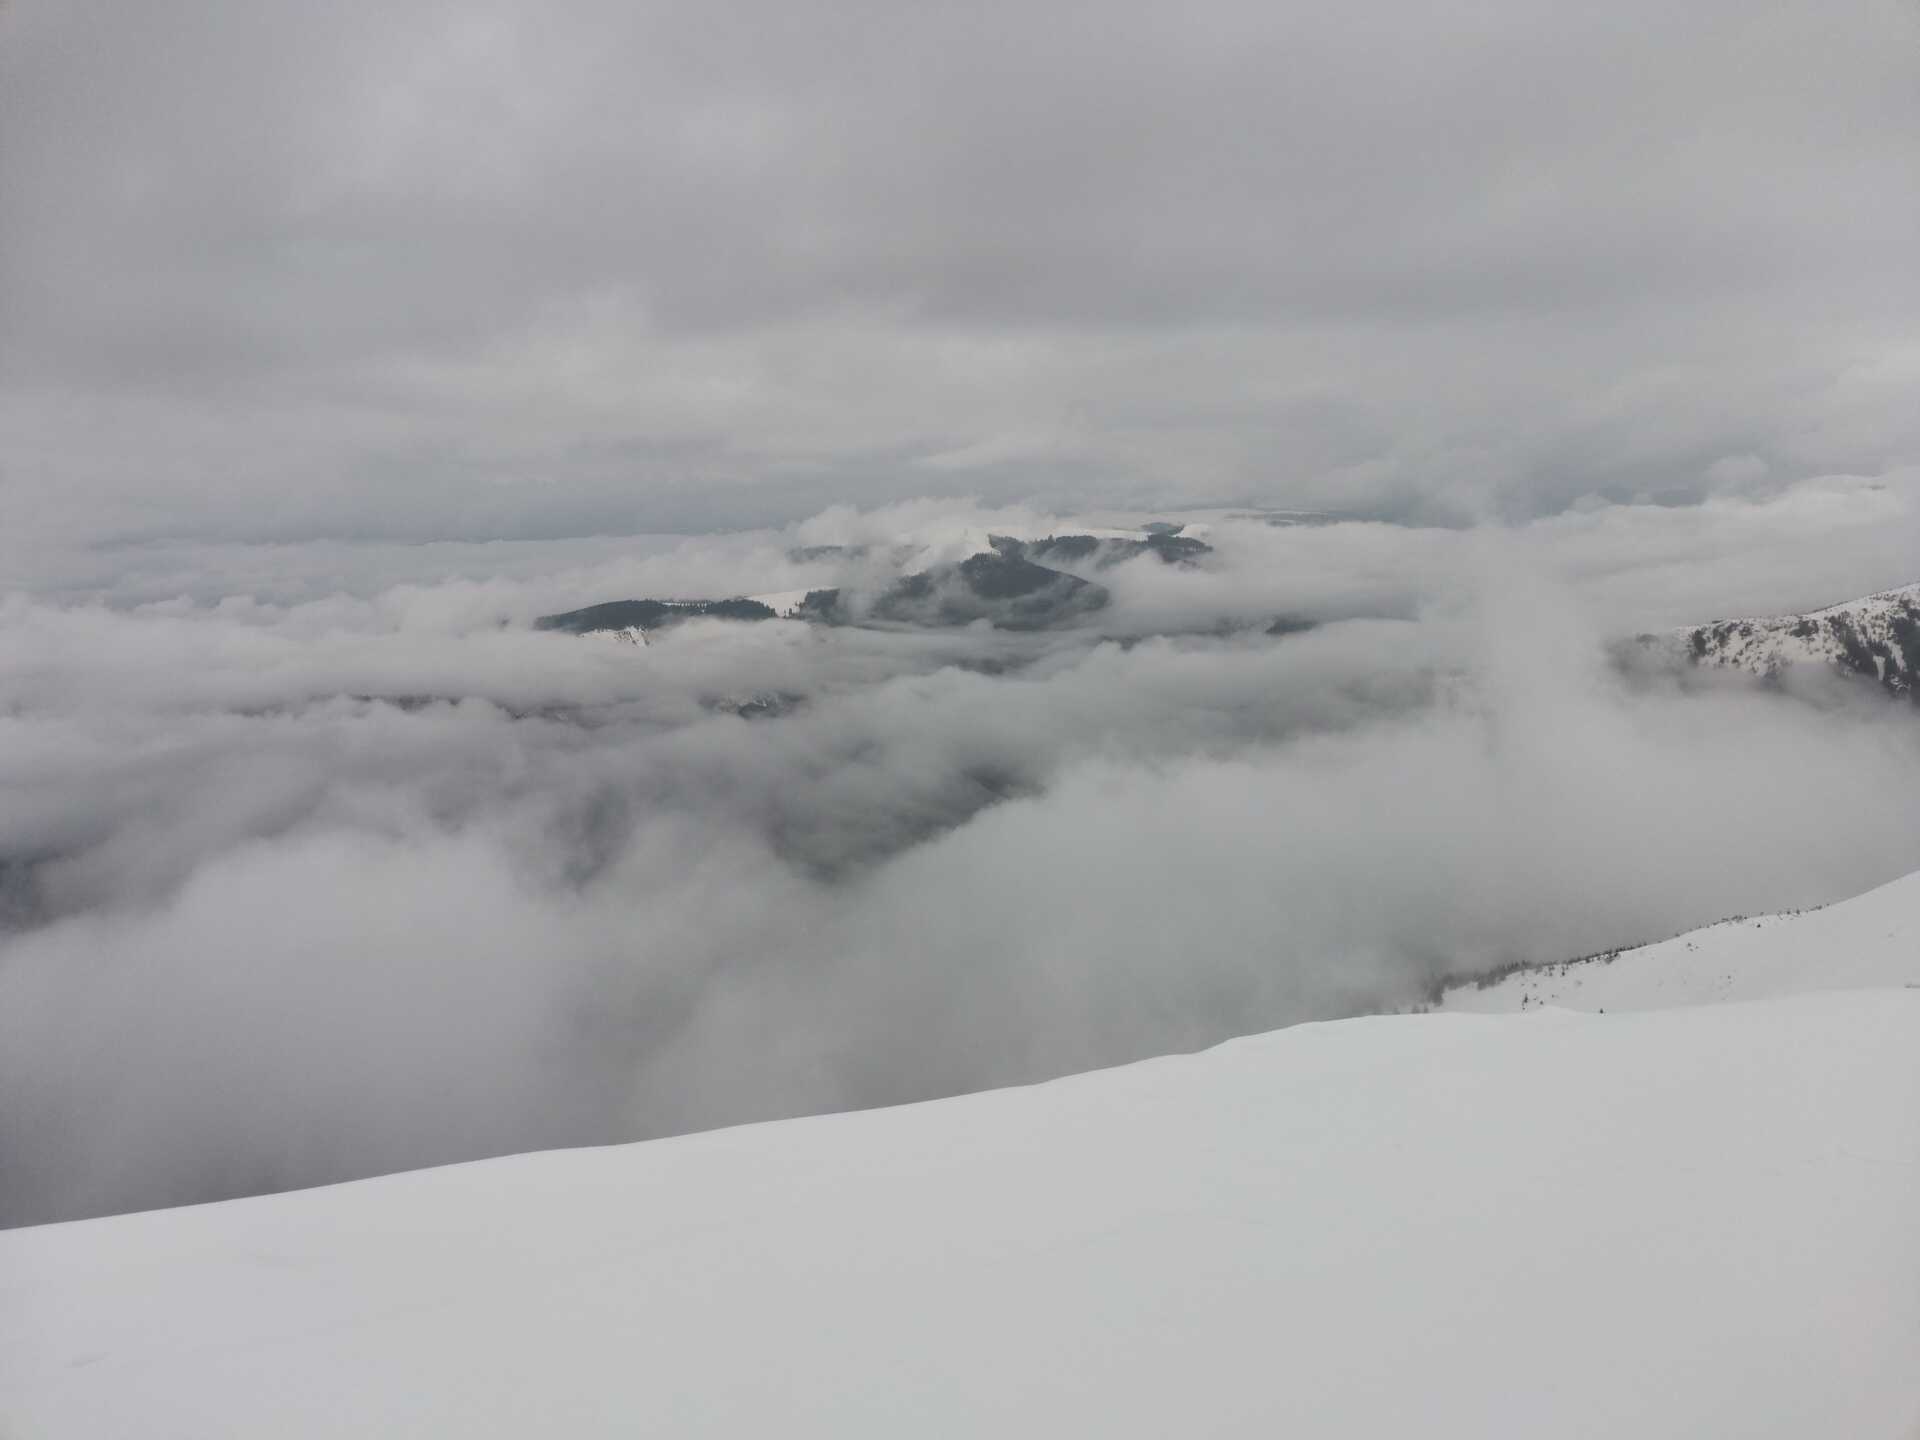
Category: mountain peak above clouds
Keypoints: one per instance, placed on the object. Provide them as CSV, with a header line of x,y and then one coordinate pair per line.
x,y
1876,637
1013,584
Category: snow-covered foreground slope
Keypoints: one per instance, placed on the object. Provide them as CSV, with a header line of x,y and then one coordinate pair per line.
x,y
1873,939
1674,1223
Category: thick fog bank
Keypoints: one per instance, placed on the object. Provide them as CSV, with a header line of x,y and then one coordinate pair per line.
x,y
300,884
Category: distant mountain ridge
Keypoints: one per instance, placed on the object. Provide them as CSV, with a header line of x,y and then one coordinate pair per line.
x,y
1013,585
643,615
1162,539
1002,588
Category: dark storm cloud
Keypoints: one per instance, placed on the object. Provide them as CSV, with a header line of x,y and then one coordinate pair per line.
x,y
490,270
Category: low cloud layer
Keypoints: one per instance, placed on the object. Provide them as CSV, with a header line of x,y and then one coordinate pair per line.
x,y
319,860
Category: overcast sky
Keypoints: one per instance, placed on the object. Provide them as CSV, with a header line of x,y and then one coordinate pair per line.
x,y
271,268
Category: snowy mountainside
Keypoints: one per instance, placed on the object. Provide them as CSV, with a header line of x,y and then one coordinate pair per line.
x,y
1542,1224
1877,637
621,635
1870,940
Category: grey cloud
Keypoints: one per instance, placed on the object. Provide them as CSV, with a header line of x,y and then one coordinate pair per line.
x,y
510,270
264,931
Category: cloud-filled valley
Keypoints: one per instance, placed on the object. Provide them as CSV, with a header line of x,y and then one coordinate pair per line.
x,y
321,860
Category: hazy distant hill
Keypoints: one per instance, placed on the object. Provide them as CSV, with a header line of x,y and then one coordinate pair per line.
x,y
651,614
1007,591
1013,585
1162,540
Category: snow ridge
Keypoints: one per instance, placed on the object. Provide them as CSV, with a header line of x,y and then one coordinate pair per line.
x,y
1872,940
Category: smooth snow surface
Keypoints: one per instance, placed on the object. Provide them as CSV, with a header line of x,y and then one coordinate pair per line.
x,y
1688,1222
1873,939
